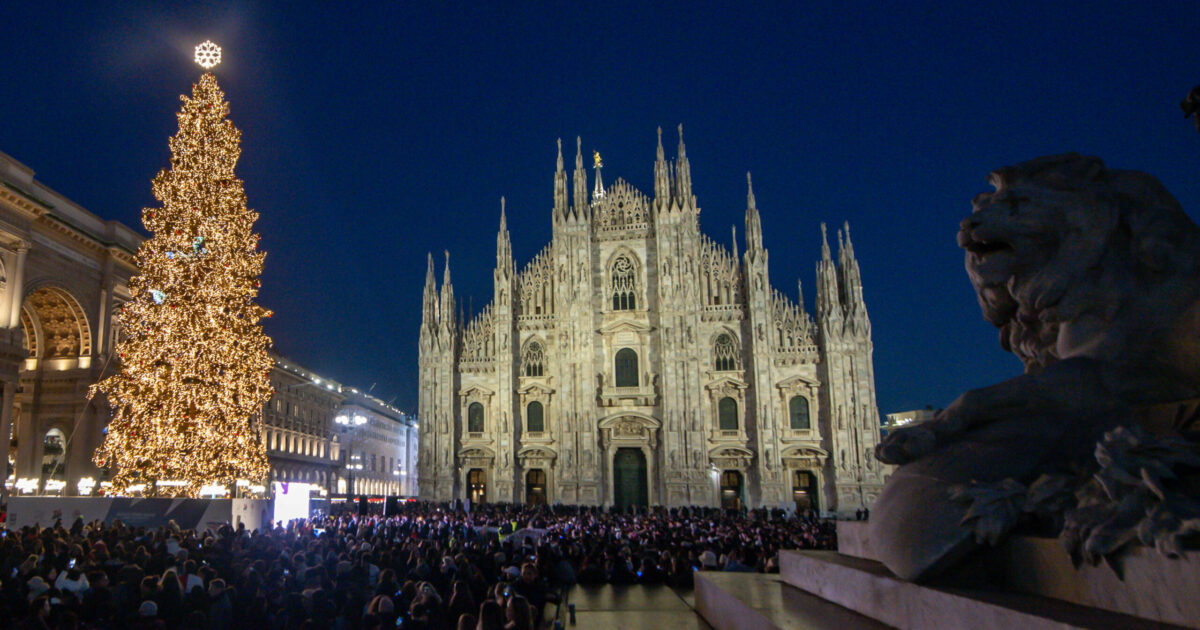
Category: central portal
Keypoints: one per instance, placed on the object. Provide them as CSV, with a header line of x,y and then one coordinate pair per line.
x,y
629,479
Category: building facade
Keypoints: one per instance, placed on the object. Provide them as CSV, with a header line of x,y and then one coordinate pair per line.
x,y
298,425
635,361
64,274
376,447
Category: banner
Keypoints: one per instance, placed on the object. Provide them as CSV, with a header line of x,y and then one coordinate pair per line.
x,y
196,514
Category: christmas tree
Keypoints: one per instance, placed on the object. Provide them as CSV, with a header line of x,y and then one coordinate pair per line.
x,y
195,371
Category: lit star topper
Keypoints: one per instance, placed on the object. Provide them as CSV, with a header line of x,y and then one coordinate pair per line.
x,y
208,54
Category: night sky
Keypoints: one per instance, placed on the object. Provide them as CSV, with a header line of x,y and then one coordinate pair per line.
x,y
372,135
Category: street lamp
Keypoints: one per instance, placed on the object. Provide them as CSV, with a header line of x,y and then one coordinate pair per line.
x,y
351,420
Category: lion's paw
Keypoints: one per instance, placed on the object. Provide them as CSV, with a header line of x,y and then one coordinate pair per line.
x,y
901,446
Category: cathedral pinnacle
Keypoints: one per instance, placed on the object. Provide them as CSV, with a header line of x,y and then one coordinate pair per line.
x,y
750,192
503,221
580,196
598,192
560,160
662,176
683,175
824,244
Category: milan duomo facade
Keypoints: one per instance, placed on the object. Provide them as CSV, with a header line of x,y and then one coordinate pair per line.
x,y
634,361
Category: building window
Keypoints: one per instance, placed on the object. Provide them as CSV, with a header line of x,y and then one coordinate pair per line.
x,y
798,413
624,284
627,368
532,360
727,414
534,420
725,353
475,418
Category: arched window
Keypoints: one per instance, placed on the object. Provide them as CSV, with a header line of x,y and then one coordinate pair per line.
x,y
798,413
534,417
727,414
532,359
624,284
475,418
627,368
725,353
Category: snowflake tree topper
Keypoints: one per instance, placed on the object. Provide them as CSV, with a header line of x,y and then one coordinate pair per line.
x,y
208,54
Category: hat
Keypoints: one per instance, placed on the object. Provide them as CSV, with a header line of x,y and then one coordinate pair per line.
x,y
148,609
37,587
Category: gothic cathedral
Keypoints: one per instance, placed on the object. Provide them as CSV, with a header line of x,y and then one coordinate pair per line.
x,y
634,361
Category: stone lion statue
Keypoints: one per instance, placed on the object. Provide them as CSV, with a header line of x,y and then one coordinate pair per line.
x,y
1092,276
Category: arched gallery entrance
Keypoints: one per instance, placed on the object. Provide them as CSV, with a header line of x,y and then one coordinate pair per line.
x,y
629,479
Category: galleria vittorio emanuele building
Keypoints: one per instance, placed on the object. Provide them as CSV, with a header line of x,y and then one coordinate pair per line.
x,y
635,361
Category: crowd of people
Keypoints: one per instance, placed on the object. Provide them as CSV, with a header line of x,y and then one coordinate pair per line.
x,y
430,566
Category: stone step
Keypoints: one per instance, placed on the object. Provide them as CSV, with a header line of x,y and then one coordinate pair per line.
x,y
867,587
759,601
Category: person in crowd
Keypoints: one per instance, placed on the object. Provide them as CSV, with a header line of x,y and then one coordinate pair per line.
x,y
430,566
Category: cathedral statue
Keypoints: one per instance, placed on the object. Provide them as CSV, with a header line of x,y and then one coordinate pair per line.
x,y
646,366
1092,276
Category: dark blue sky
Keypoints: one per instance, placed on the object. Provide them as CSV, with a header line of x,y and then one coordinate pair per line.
x,y
375,133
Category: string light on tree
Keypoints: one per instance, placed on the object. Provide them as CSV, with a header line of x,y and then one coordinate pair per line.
x,y
194,365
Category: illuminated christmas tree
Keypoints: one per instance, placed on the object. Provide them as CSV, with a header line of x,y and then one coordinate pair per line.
x,y
195,371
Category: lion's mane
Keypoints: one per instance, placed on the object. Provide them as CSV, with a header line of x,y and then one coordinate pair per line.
x,y
1092,226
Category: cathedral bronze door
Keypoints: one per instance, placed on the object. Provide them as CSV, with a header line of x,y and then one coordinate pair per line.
x,y
804,491
731,490
476,486
629,479
535,487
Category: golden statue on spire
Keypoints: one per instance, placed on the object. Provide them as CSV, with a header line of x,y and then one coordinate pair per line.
x,y
596,159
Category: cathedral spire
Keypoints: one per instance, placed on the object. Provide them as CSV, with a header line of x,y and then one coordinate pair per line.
x,y
683,173
429,304
849,245
733,229
662,176
753,223
560,186
580,198
829,305
503,243
824,244
851,283
447,305
800,294
598,193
